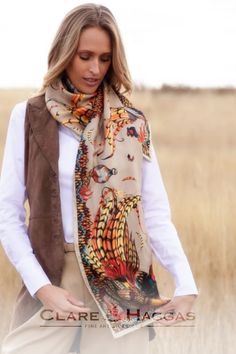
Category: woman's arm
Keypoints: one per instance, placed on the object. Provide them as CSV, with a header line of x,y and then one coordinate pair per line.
x,y
163,236
13,230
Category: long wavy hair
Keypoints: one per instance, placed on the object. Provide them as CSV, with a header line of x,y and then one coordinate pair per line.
x,y
65,45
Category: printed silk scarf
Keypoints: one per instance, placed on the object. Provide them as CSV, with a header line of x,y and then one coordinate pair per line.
x,y
111,243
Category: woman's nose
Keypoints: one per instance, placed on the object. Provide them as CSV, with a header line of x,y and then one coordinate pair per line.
x,y
94,67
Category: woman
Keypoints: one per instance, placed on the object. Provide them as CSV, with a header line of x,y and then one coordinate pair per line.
x,y
83,156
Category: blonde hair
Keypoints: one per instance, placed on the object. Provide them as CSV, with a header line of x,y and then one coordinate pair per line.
x,y
65,44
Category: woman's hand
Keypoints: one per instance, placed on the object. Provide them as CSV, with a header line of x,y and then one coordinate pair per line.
x,y
177,310
61,301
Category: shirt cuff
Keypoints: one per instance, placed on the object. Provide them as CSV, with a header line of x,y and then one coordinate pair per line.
x,y
184,280
32,274
185,291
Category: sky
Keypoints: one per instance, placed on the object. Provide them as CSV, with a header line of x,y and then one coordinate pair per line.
x,y
173,42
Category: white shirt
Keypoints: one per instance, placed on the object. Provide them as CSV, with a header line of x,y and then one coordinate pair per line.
x,y
163,236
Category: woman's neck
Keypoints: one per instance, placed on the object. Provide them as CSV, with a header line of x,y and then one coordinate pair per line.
x,y
68,84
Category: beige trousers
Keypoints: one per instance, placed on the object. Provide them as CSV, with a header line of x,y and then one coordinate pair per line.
x,y
39,335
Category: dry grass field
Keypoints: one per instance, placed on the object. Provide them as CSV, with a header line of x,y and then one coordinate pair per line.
x,y
194,135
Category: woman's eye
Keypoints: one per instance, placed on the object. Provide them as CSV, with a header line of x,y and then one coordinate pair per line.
x,y
84,58
106,59
87,57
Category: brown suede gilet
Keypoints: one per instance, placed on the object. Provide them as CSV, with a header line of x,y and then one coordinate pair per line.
x,y
45,228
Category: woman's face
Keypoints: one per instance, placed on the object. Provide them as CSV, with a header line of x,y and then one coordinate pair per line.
x,y
91,61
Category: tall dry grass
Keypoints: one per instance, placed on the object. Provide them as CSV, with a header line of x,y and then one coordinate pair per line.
x,y
194,136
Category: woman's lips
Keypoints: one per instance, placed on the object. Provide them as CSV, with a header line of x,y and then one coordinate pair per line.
x,y
91,82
